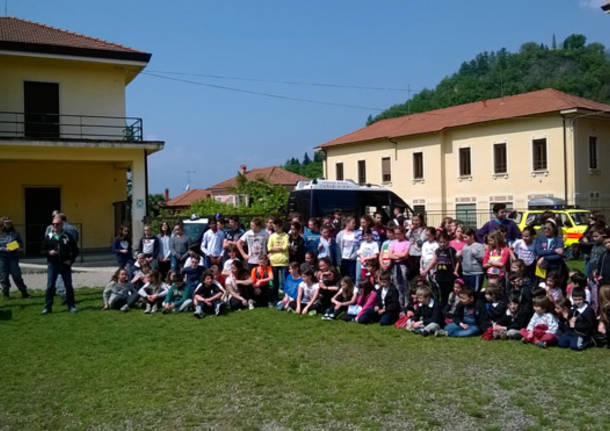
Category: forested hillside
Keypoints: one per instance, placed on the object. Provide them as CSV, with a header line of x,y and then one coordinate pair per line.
x,y
573,66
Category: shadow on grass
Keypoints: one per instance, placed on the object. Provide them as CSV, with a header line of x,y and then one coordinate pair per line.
x,y
6,314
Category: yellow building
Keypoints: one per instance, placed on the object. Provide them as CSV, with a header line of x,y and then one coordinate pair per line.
x,y
65,142
461,160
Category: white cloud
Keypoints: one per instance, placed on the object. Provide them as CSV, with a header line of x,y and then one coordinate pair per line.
x,y
591,4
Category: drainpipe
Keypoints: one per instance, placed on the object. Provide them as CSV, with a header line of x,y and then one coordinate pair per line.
x,y
146,185
565,161
395,148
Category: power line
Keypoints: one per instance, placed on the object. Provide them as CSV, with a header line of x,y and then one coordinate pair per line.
x,y
287,82
260,93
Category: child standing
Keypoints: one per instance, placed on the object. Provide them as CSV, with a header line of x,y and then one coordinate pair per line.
x,y
277,247
446,268
399,255
326,247
368,251
385,262
256,241
496,256
543,326
471,261
524,249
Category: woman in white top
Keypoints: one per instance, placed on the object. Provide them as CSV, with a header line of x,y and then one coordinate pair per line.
x,y
347,248
165,252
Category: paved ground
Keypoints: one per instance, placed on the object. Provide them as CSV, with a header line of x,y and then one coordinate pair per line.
x,y
35,276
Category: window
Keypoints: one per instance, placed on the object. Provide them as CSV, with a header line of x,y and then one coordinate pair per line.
x,y
500,159
419,209
418,165
539,156
386,170
593,153
361,172
466,214
465,162
339,171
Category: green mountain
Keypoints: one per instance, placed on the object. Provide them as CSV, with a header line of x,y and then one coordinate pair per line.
x,y
575,67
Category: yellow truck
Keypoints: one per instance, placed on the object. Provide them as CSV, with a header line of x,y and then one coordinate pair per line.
x,y
573,222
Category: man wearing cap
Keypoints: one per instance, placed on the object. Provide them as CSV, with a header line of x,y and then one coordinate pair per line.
x,y
61,250
11,245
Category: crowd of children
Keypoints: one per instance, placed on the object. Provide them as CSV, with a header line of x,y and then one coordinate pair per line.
x,y
446,281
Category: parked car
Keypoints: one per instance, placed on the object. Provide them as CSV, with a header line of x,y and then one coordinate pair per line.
x,y
572,221
194,228
318,197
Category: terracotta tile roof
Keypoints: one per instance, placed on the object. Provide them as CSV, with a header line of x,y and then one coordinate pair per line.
x,y
187,198
532,103
18,34
273,174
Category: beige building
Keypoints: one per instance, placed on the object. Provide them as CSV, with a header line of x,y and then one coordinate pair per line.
x,y
65,140
461,160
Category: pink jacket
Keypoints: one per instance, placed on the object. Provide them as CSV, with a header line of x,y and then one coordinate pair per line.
x,y
366,302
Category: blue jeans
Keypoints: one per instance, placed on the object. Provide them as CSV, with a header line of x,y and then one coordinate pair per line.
x,y
475,281
279,275
9,265
53,271
388,319
369,316
454,330
400,277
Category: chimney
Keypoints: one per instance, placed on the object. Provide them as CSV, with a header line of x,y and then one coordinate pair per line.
x,y
166,195
242,169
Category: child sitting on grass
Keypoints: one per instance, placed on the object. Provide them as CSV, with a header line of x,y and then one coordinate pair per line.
x,y
207,296
543,326
515,318
179,296
119,293
427,317
366,300
604,312
262,282
581,323
153,292
232,254
345,297
291,286
307,298
470,317
494,305
453,301
238,286
386,308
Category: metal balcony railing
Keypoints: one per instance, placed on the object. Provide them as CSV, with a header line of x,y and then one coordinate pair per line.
x,y
67,126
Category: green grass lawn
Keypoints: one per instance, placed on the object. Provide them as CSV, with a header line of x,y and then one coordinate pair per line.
x,y
271,370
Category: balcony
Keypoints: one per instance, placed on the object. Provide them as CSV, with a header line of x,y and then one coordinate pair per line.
x,y
70,127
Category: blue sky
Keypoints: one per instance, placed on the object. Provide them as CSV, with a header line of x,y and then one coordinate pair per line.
x,y
390,44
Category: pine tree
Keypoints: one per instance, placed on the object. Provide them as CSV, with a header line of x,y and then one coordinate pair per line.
x,y
306,159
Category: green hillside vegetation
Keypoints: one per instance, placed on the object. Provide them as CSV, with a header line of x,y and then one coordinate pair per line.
x,y
574,67
308,168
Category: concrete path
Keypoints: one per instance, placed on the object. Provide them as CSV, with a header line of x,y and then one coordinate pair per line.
x,y
35,276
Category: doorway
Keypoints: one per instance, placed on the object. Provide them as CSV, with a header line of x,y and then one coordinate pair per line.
x,y
40,202
41,109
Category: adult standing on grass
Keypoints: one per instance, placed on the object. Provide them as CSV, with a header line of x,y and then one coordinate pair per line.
x,y
347,248
61,250
179,247
11,245
499,219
